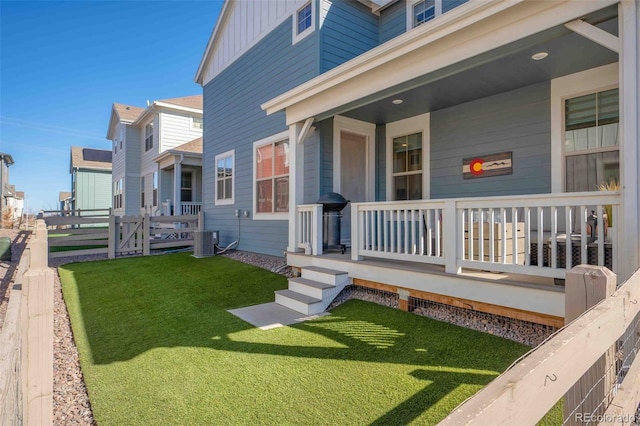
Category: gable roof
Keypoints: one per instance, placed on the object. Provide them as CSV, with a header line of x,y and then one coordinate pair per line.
x,y
64,195
90,158
127,113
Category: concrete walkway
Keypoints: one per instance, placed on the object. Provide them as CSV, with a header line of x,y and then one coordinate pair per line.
x,y
271,315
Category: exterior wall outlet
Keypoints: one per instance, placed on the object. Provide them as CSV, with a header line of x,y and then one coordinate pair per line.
x,y
238,211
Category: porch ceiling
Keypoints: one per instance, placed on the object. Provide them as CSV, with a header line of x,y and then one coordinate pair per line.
x,y
494,72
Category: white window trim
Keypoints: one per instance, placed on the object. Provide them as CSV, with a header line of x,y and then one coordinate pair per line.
x,y
227,201
408,126
409,11
282,136
571,86
192,127
294,23
361,128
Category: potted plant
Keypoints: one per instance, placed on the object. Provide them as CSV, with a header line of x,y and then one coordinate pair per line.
x,y
611,185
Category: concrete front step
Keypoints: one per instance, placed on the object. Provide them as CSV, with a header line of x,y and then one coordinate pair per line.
x,y
308,287
324,275
299,302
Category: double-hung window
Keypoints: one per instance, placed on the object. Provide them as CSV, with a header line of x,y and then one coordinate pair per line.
x,y
142,191
186,187
196,123
155,189
271,167
117,194
591,148
148,136
225,165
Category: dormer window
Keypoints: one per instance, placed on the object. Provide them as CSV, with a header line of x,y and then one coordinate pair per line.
x,y
303,22
421,11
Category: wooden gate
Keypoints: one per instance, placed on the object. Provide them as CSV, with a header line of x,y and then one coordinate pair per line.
x,y
128,234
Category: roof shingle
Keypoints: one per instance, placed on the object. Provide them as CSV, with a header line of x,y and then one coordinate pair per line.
x,y
127,112
78,159
186,101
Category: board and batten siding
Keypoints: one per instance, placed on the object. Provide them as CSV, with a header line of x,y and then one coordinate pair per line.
x,y
93,189
234,120
176,129
518,121
247,23
348,29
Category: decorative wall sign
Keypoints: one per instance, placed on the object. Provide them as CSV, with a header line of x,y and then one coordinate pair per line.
x,y
487,165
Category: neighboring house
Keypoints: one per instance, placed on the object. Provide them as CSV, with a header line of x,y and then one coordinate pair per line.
x,y
90,170
64,199
140,137
431,117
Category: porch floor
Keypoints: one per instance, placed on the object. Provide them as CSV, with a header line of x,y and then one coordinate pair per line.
x,y
480,275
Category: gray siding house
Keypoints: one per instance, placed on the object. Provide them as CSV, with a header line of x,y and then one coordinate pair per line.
x,y
486,147
157,159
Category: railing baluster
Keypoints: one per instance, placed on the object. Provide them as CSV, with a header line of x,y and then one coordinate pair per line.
x,y
492,235
569,241
527,236
584,250
554,237
503,235
541,249
481,235
406,232
514,235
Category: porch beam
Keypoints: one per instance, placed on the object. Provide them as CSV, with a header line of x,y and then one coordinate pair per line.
x,y
306,130
594,34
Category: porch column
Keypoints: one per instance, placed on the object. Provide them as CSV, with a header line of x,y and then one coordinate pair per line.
x,y
177,176
296,180
628,251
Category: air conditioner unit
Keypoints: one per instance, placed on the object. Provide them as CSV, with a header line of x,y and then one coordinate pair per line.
x,y
205,243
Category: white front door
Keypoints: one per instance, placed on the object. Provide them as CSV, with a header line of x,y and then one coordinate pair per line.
x,y
353,172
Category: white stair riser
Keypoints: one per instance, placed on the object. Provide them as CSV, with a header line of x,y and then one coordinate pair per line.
x,y
298,306
305,289
325,278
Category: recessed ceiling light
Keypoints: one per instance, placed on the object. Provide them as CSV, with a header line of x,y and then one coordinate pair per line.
x,y
539,56
397,101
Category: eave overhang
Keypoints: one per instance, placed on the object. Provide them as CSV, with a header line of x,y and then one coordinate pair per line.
x,y
469,30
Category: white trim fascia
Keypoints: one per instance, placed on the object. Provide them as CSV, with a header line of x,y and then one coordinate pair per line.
x,y
151,108
229,201
417,124
362,128
266,216
295,38
448,43
213,38
571,86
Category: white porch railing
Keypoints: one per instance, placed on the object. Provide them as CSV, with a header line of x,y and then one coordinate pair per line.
x,y
309,228
190,208
520,234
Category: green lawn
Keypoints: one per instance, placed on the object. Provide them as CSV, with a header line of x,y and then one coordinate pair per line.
x,y
157,346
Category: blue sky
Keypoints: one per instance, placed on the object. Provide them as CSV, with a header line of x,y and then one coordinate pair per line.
x,y
63,64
